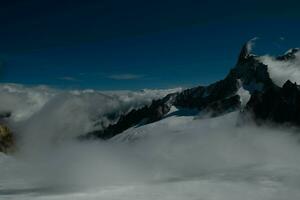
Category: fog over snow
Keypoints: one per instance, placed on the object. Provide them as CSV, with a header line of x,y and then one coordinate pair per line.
x,y
179,157
236,137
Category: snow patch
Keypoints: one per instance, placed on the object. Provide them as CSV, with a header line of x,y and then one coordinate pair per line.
x,y
244,96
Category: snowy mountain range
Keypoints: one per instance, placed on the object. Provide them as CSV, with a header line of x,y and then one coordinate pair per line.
x,y
248,88
234,139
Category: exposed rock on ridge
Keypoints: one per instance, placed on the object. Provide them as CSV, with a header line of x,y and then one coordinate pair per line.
x,y
267,102
144,115
279,105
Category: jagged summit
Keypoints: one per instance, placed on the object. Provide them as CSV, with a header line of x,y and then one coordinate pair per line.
x,y
267,100
244,54
253,73
246,51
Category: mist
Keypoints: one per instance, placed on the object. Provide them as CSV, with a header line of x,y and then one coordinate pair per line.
x,y
179,157
281,71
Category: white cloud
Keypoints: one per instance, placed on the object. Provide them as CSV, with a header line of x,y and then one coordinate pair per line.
x,y
281,71
55,106
125,76
244,96
176,158
251,44
209,159
67,78
23,101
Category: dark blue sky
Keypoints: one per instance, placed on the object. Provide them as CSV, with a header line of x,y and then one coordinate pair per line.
x,y
130,44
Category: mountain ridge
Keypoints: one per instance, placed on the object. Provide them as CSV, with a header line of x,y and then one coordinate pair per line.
x,y
217,98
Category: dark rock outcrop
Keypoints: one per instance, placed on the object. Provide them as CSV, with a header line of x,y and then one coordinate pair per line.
x,y
144,115
201,97
279,105
7,141
223,106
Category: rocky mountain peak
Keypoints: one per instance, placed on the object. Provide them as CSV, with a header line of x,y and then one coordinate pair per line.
x,y
246,52
250,70
267,101
288,85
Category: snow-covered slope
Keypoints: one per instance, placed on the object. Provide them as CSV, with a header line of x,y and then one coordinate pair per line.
x,y
179,157
162,144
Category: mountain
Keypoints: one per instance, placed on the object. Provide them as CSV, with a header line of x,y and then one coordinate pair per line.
x,y
268,102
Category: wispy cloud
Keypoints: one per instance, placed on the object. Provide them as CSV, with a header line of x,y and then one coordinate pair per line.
x,y
67,78
251,43
281,71
125,76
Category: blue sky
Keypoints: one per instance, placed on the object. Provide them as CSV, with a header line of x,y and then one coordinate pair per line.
x,y
114,44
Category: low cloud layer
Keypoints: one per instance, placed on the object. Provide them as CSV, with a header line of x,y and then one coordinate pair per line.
x,y
210,159
281,71
61,114
176,158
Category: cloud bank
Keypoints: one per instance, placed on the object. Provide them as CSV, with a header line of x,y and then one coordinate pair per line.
x,y
176,158
61,114
281,71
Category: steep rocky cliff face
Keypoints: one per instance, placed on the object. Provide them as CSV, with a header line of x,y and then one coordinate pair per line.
x,y
279,105
268,101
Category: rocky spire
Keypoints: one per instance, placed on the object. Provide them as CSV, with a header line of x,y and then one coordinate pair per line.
x,y
246,51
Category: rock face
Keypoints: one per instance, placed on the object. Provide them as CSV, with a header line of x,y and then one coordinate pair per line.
x,y
6,139
145,115
267,102
279,105
201,97
215,99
